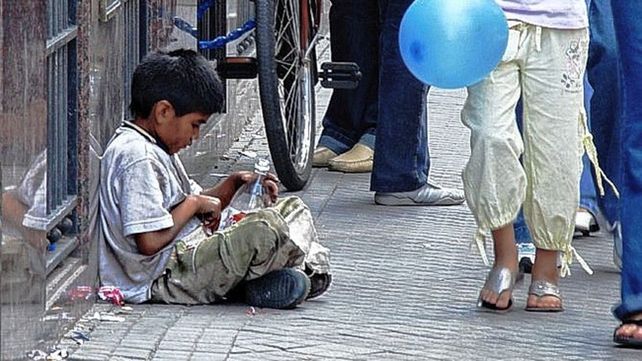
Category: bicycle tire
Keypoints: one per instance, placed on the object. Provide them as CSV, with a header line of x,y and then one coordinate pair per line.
x,y
286,88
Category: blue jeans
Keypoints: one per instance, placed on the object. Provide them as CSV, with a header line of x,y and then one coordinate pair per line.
x,y
628,30
588,190
351,116
401,159
602,72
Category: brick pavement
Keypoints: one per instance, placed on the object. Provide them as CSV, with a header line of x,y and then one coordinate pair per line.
x,y
405,286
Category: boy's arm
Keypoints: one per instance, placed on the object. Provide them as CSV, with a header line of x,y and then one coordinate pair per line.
x,y
225,189
149,243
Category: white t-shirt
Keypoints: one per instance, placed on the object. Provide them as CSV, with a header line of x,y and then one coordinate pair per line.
x,y
556,14
139,185
33,193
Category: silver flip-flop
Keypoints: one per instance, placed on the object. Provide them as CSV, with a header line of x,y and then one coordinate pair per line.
x,y
542,288
499,280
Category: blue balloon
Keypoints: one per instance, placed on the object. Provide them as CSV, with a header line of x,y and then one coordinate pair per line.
x,y
453,43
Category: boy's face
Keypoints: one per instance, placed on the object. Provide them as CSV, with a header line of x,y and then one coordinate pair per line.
x,y
179,132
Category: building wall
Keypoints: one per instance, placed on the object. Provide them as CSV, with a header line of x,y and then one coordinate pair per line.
x,y
23,122
38,306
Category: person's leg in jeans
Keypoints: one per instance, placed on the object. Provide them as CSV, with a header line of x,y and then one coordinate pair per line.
x,y
628,29
602,70
351,115
525,246
401,159
585,219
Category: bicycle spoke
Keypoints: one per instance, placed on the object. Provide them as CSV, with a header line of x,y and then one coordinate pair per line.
x,y
292,74
288,58
288,107
287,84
288,66
292,113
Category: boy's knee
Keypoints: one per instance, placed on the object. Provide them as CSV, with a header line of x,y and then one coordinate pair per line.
x,y
288,203
271,219
264,228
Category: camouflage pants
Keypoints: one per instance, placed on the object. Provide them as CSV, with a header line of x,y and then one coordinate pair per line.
x,y
203,269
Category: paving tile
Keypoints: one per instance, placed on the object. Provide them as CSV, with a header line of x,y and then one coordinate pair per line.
x,y
405,283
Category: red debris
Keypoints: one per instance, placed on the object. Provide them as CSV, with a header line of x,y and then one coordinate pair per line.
x,y
80,293
111,294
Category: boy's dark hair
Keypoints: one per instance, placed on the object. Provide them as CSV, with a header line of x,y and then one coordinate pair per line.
x,y
183,77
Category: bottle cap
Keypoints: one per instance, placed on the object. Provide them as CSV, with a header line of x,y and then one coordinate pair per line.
x,y
262,166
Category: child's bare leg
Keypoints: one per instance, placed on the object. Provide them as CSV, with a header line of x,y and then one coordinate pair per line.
x,y
545,268
505,256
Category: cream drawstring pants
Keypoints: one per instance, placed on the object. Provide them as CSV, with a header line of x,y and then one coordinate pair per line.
x,y
546,68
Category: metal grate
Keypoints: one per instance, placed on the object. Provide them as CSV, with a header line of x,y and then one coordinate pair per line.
x,y
132,47
213,24
62,117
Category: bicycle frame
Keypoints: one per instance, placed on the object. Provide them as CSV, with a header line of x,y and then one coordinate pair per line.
x,y
286,66
310,23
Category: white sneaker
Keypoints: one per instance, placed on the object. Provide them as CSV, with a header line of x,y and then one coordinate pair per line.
x,y
526,256
428,195
585,222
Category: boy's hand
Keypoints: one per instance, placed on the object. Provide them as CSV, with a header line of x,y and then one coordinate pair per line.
x,y
206,208
226,189
209,212
270,182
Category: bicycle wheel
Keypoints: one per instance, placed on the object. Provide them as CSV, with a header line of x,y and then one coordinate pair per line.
x,y
287,71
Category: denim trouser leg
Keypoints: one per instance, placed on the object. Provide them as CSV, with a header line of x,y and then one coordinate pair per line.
x,y
602,71
628,28
522,235
354,29
588,193
401,149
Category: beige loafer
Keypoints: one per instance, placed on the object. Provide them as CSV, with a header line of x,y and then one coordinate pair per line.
x,y
356,160
321,156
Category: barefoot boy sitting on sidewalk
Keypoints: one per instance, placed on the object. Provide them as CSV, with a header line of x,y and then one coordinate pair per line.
x,y
155,220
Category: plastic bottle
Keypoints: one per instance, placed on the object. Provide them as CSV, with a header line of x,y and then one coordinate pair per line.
x,y
251,197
